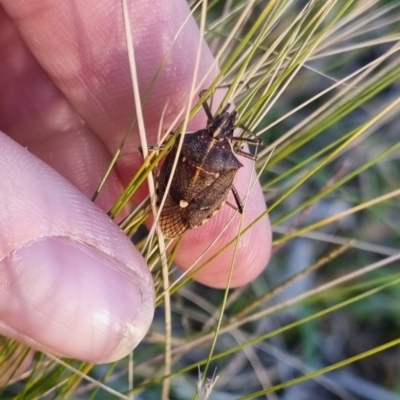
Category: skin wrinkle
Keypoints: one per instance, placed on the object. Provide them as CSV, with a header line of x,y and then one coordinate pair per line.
x,y
69,237
45,288
8,287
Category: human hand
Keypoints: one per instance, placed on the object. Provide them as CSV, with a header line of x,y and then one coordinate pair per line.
x,y
71,281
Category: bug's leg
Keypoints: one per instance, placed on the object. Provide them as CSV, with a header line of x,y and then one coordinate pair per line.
x,y
151,147
255,140
237,199
249,131
207,108
241,140
156,147
231,205
245,154
227,86
237,139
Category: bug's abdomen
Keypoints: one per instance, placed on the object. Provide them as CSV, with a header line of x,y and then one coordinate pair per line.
x,y
209,201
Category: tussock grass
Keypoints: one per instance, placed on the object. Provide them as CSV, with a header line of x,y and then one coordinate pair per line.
x,y
323,95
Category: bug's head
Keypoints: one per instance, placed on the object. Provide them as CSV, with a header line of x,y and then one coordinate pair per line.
x,y
222,125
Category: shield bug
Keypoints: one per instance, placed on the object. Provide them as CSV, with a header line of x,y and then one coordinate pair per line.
x,y
204,173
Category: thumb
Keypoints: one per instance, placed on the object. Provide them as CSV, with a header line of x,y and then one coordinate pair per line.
x,y
71,283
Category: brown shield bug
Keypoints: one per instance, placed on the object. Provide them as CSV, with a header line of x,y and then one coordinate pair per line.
x,y
204,173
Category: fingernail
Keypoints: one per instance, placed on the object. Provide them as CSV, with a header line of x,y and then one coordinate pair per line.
x,y
69,298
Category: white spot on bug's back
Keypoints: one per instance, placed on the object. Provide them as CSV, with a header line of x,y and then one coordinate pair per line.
x,y
183,204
